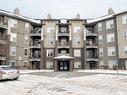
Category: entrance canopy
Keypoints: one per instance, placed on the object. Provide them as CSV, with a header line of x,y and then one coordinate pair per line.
x,y
63,57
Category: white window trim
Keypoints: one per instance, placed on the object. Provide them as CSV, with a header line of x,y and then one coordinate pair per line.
x,y
111,51
109,37
101,50
77,52
124,19
99,26
12,53
47,52
77,64
109,23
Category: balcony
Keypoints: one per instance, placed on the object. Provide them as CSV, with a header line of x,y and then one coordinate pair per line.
x,y
91,58
36,56
63,34
3,25
34,59
59,54
91,45
90,32
63,45
36,46
36,32
3,39
2,58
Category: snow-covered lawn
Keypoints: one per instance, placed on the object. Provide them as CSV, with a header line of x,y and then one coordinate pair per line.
x,y
104,71
99,84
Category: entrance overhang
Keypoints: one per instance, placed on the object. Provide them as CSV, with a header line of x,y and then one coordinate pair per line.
x,y
63,57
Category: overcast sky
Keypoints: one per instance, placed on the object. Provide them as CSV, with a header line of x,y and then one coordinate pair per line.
x,y
63,8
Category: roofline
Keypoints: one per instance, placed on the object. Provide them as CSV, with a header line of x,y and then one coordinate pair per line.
x,y
20,17
74,19
120,13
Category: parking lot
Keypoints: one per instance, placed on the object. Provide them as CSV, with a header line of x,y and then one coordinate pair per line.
x,y
65,83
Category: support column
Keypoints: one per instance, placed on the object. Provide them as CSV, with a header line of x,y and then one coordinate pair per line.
x,y
71,65
42,63
55,65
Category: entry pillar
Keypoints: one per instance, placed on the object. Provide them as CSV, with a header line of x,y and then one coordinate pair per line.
x,y
55,65
71,65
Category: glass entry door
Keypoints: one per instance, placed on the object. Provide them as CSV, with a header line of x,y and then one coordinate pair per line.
x,y
63,66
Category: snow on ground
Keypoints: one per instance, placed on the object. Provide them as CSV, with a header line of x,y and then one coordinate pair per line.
x,y
105,71
99,84
30,71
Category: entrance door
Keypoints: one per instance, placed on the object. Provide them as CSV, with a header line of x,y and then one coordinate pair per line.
x,y
92,65
63,66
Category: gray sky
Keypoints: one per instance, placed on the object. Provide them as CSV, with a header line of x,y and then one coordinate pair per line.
x,y
63,8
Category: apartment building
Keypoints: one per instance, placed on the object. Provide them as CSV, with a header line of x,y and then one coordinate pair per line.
x,y
4,41
122,38
15,38
63,44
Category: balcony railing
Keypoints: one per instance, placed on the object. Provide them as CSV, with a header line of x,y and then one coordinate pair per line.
x,y
91,45
63,34
33,58
90,32
36,32
3,39
91,58
63,45
35,46
2,58
59,54
3,25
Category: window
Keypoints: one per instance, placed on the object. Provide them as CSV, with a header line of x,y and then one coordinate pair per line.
x,y
126,63
13,51
63,21
76,41
25,52
50,29
100,26
101,63
125,35
124,19
49,53
26,39
13,23
100,39
125,49
111,51
13,37
76,29
111,63
77,52
100,52
109,24
27,26
110,37
12,63
63,30
63,51
77,64
50,41
49,64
